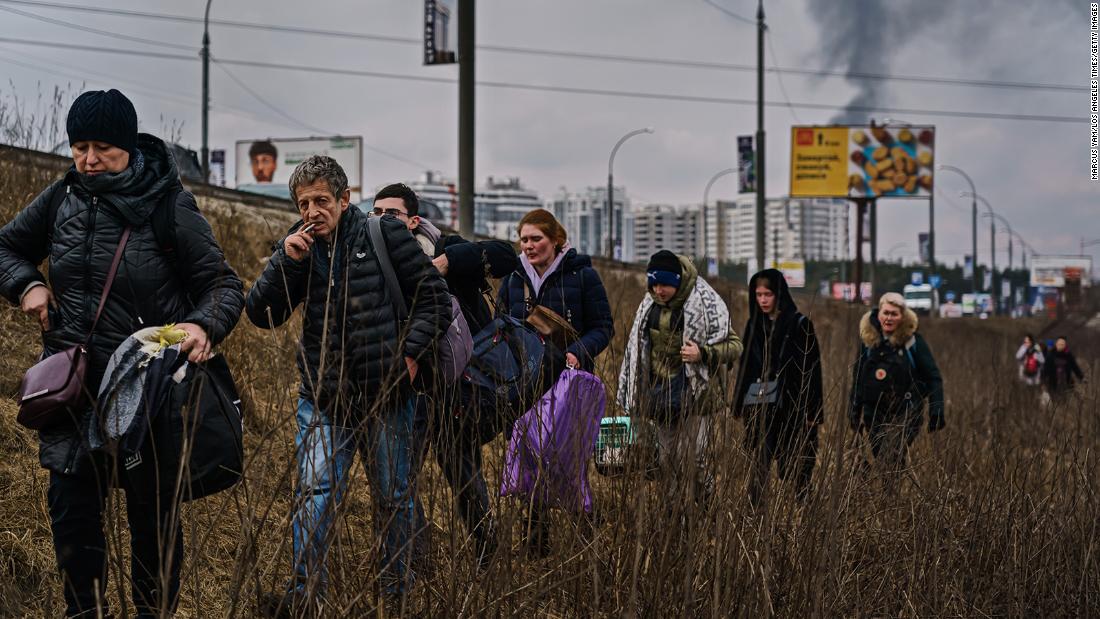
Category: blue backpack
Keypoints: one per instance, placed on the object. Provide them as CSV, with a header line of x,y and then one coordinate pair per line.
x,y
512,365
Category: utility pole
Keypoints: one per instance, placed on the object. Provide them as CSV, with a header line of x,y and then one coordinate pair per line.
x,y
931,233
873,206
974,238
760,153
206,94
466,17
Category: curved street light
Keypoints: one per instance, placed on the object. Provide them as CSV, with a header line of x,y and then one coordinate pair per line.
x,y
992,243
706,198
893,248
973,221
611,189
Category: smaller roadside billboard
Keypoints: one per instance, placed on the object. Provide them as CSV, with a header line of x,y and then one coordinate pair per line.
x,y
1052,271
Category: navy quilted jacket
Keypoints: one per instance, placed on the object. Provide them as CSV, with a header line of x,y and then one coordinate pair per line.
x,y
576,292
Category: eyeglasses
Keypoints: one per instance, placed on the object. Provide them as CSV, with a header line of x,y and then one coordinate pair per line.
x,y
378,212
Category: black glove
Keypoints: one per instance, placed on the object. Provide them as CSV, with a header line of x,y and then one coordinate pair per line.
x,y
935,421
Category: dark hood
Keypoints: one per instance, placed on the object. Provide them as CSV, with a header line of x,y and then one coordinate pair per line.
x,y
778,285
758,330
137,190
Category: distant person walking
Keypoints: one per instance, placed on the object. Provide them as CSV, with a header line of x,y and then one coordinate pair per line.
x,y
678,346
893,375
106,204
1029,361
779,391
1061,370
555,277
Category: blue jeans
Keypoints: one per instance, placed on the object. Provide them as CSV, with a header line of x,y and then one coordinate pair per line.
x,y
389,445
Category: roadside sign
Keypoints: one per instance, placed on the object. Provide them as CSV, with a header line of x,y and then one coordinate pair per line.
x,y
819,162
935,280
862,161
916,278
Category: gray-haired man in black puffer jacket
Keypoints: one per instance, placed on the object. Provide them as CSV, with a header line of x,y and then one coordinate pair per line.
x,y
356,365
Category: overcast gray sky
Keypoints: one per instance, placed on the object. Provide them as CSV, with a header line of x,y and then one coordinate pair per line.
x,y
1034,173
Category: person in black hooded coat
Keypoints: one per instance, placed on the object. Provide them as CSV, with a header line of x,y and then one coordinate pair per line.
x,y
780,346
118,179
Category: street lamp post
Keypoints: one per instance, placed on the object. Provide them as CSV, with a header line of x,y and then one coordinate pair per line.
x,y
992,244
611,189
706,225
973,222
1011,233
1008,228
206,94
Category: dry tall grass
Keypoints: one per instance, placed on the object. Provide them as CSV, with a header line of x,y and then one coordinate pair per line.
x,y
999,517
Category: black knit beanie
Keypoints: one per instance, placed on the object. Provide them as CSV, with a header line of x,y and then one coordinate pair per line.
x,y
103,116
664,268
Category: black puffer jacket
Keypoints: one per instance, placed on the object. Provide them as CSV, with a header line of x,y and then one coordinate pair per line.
x,y
149,289
364,349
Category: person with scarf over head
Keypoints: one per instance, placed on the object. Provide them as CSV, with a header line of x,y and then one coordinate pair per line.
x,y
779,392
680,341
894,373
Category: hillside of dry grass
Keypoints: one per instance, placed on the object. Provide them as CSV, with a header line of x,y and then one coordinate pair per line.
x,y
999,516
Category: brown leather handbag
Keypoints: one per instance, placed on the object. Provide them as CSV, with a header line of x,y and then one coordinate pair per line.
x,y
54,387
550,324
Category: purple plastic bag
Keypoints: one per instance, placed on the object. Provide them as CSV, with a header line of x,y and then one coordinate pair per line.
x,y
551,443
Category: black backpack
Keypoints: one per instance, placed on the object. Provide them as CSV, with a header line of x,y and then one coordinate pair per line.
x,y
888,381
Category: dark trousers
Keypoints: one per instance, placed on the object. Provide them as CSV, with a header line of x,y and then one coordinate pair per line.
x,y
156,546
794,450
458,452
891,435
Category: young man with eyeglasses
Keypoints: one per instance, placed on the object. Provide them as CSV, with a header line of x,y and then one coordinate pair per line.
x,y
465,266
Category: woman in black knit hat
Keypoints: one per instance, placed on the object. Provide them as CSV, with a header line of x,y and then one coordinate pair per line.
x,y
106,202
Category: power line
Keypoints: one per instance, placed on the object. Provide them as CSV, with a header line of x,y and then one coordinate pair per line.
x,y
81,74
263,101
739,18
670,62
307,126
114,35
564,89
779,77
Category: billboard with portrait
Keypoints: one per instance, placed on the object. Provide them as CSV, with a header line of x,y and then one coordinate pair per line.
x,y
862,161
264,166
